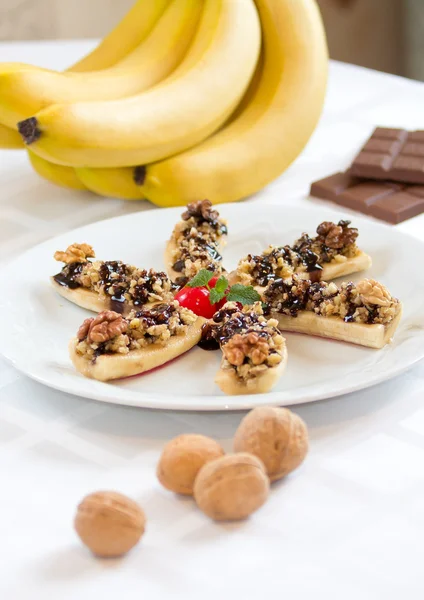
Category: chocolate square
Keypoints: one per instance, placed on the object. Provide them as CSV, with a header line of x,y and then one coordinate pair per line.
x,y
397,207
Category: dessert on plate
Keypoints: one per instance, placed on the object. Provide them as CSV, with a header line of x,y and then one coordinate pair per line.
x,y
254,353
196,243
332,253
364,313
147,318
111,346
111,285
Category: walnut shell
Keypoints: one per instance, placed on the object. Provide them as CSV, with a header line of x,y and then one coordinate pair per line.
x,y
277,436
109,524
182,458
232,487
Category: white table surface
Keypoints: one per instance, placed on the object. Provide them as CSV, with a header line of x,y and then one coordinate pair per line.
x,y
347,525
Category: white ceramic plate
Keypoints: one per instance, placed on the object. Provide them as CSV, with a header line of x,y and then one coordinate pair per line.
x,y
36,323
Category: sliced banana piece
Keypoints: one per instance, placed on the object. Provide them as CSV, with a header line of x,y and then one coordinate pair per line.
x,y
254,351
127,348
110,285
332,253
196,242
81,297
365,314
362,334
232,385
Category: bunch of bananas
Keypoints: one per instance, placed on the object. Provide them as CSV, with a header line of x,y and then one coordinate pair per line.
x,y
184,99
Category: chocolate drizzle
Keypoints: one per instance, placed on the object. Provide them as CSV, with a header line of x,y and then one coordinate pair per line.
x,y
68,275
226,323
159,314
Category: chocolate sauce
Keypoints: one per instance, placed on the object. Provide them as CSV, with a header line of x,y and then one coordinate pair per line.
x,y
67,276
179,266
227,323
117,302
158,315
101,349
208,341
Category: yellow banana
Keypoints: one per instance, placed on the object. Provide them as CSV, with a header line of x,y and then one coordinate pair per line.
x,y
263,140
10,138
173,116
28,90
127,35
62,176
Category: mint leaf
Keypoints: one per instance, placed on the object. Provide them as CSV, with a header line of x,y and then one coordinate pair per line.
x,y
221,285
245,294
201,279
215,295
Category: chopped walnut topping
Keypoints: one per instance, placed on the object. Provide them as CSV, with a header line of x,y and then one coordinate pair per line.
x,y
368,302
197,239
102,328
250,343
373,292
306,255
76,253
111,333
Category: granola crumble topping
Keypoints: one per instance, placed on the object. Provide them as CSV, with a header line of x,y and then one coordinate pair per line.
x,y
197,238
121,284
250,343
367,302
111,333
306,255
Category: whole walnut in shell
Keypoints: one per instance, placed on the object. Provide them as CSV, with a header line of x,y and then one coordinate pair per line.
x,y
182,458
277,436
109,523
232,487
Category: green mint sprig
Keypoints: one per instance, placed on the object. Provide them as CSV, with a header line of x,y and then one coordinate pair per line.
x,y
245,294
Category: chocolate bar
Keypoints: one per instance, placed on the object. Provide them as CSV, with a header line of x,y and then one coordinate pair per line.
x,y
391,202
392,154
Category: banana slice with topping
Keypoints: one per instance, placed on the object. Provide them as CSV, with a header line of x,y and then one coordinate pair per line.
x,y
110,346
110,285
196,243
330,254
365,313
254,351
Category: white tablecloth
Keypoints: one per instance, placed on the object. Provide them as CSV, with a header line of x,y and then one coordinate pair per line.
x,y
347,525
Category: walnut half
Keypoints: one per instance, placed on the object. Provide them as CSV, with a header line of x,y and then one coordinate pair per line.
x,y
75,253
248,345
202,209
107,325
337,236
373,292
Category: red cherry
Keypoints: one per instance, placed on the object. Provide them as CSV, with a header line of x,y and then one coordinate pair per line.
x,y
196,300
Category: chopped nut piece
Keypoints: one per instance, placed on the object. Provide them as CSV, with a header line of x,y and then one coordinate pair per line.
x,y
76,253
337,236
373,292
202,209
